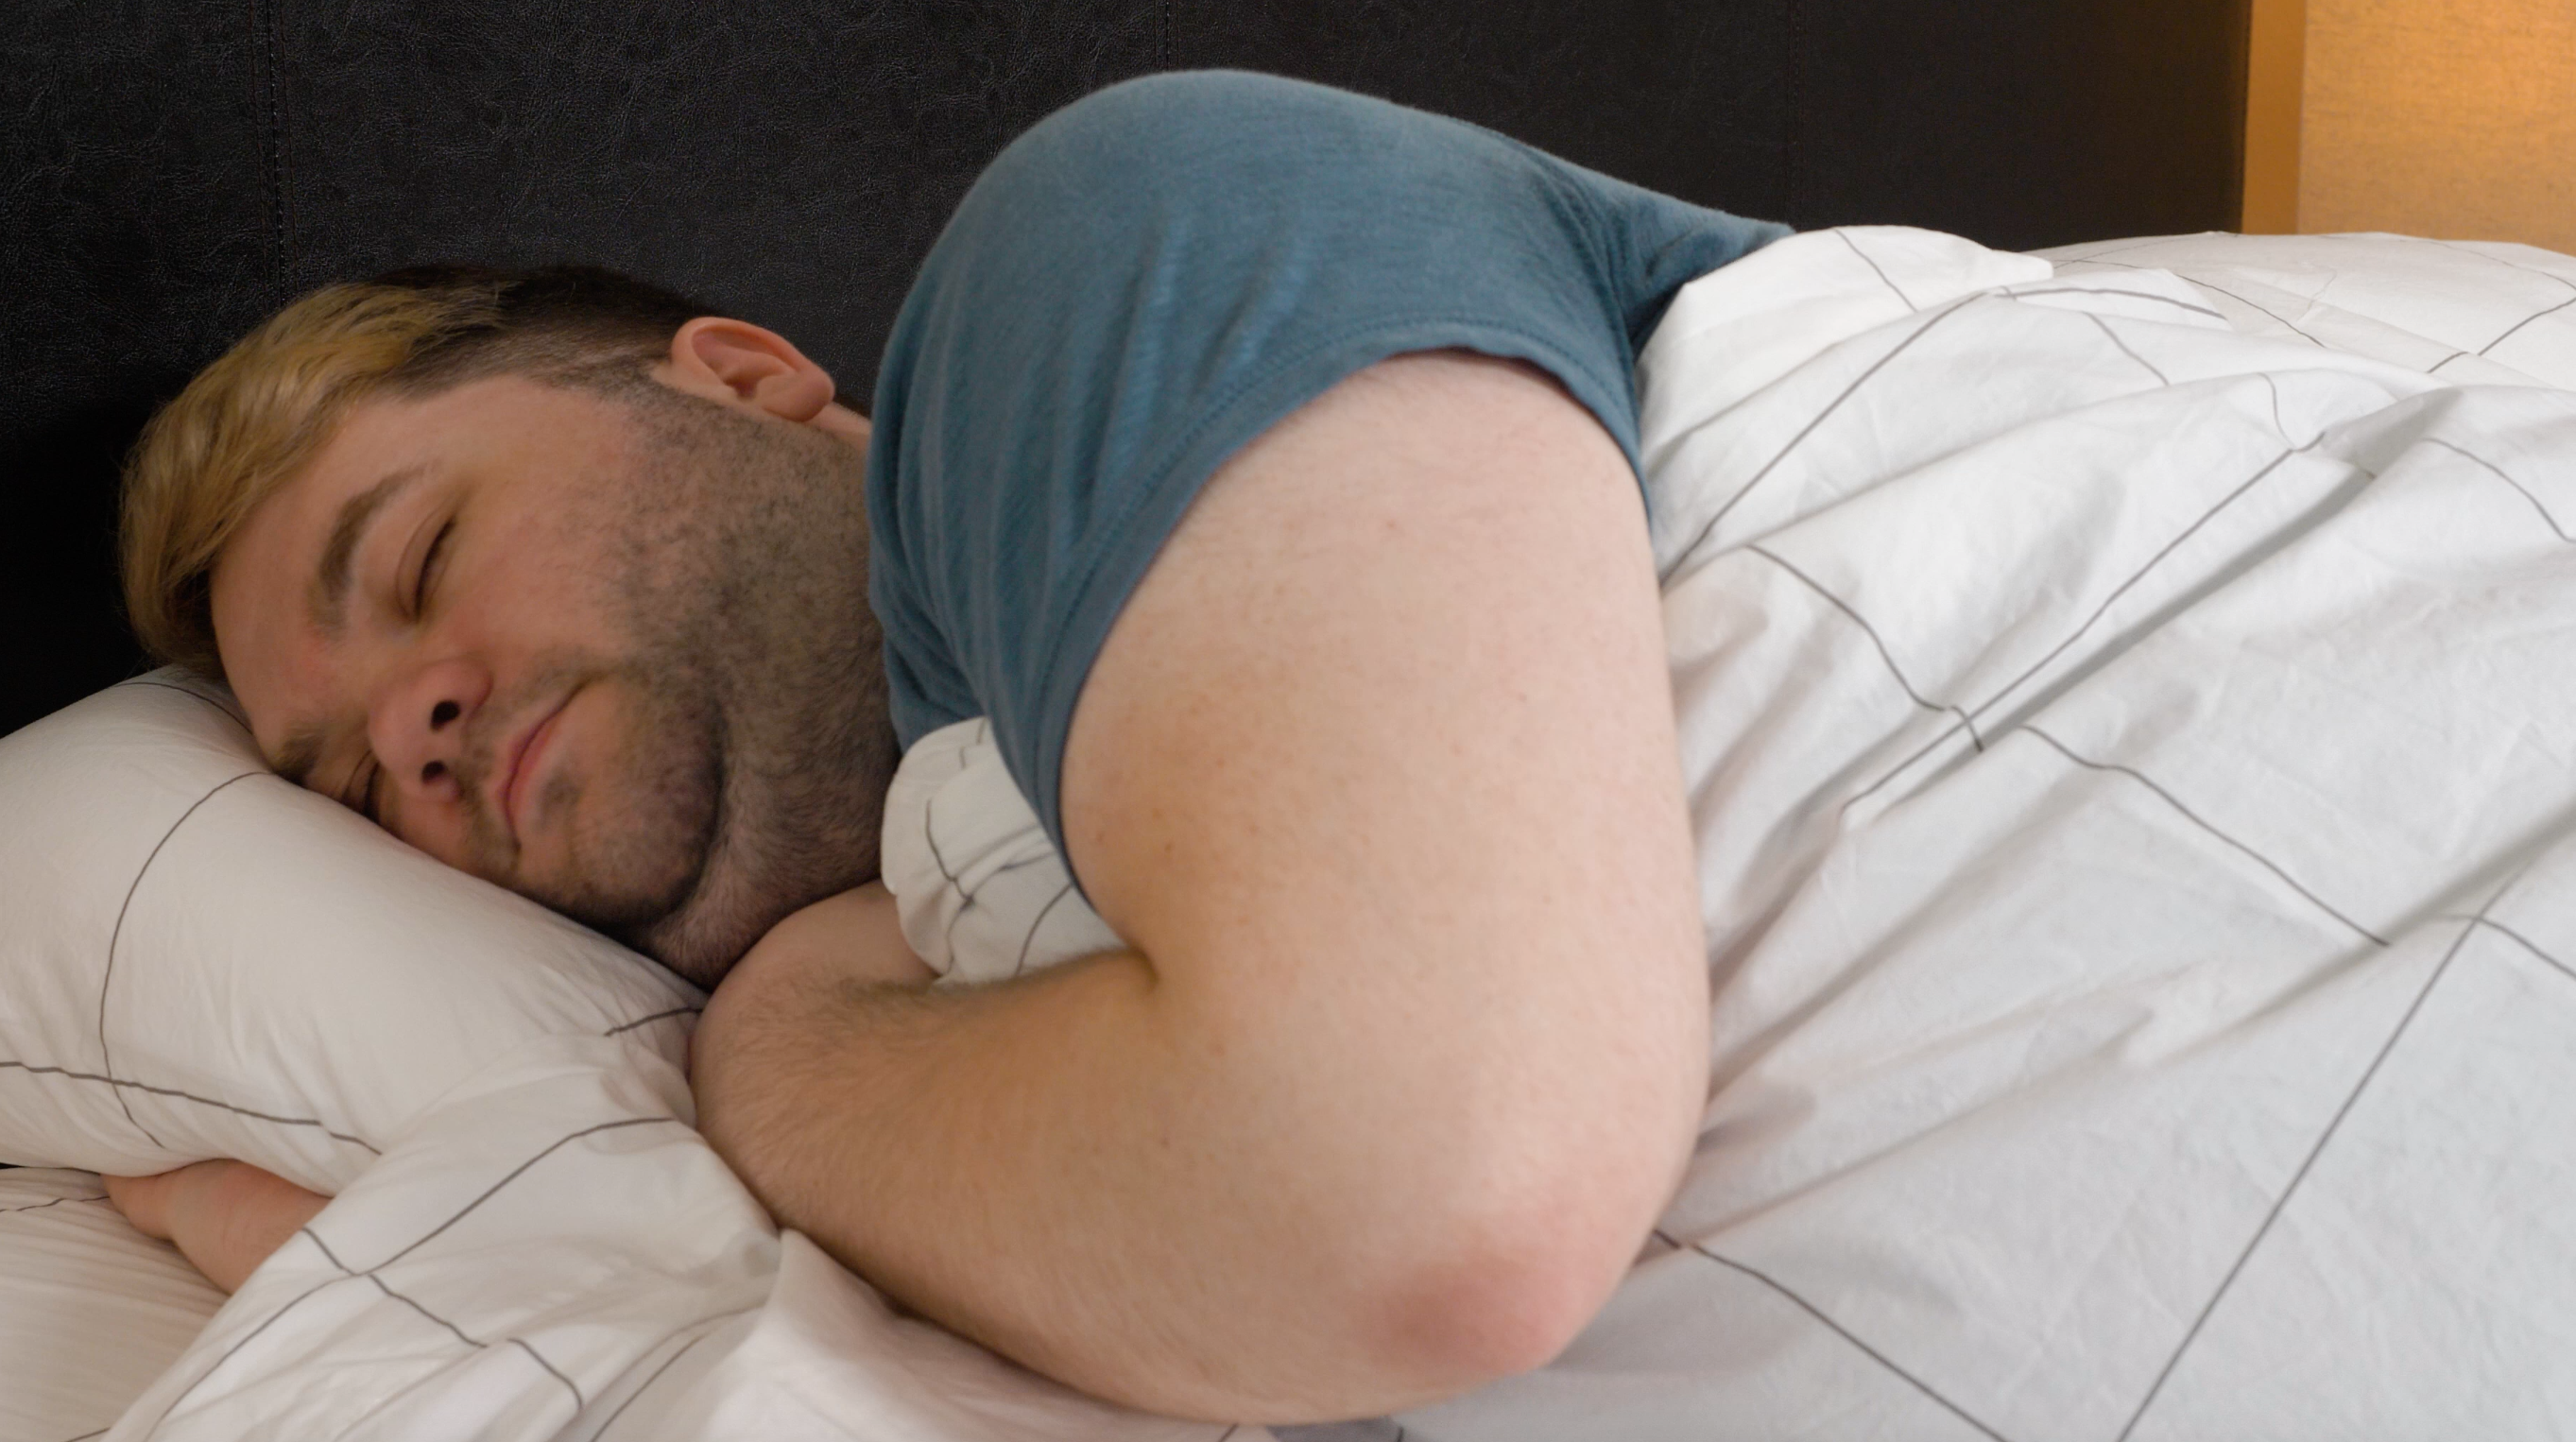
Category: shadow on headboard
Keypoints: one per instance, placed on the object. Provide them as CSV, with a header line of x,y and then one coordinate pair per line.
x,y
171,172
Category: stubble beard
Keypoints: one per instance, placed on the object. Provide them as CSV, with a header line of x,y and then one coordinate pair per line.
x,y
750,777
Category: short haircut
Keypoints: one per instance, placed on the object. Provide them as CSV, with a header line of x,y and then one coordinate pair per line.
x,y
253,420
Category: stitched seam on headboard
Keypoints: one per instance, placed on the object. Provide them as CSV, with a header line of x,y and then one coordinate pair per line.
x,y
1797,115
1167,34
264,45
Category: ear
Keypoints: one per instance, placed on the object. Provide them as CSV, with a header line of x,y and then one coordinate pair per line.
x,y
739,363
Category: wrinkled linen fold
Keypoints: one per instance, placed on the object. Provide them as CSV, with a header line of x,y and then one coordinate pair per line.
x,y
2132,748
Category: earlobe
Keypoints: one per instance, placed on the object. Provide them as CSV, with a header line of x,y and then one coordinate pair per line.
x,y
742,364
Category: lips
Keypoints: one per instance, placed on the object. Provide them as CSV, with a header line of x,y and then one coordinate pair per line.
x,y
524,756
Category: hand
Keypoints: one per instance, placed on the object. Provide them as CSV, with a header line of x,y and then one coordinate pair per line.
x,y
225,1217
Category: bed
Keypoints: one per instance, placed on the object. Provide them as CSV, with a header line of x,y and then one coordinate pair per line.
x,y
2140,962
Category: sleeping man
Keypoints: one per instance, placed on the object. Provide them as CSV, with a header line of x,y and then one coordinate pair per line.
x,y
1262,461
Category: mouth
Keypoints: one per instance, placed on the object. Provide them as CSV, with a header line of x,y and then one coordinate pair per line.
x,y
520,766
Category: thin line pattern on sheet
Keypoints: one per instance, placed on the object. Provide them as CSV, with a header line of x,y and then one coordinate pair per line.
x,y
2179,808
2483,351
2162,380
2526,943
2325,1138
2488,255
38,1069
2499,474
2009,293
967,900
1686,553
1839,604
2196,819
1845,236
452,1329
40,1206
704,1328
424,1239
2328,1132
234,716
1030,940
642,1021
2109,600
107,975
2014,685
2525,323
2024,293
1839,1330
2283,321
118,1084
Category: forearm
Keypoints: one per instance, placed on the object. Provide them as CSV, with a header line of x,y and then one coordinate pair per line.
x,y
225,1217
1076,1171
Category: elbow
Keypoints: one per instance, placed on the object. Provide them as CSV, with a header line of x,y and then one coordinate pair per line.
x,y
1527,1252
1517,1295
1463,1326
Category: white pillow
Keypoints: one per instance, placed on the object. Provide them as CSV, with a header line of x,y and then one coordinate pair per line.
x,y
982,893
200,959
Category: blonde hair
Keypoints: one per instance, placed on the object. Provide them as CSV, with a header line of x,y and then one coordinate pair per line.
x,y
253,420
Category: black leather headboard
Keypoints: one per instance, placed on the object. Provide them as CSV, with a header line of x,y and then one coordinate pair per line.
x,y
171,171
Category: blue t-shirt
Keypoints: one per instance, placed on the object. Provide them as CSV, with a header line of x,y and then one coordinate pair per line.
x,y
1150,278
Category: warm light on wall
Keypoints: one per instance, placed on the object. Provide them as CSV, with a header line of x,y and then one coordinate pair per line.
x,y
2450,118
2272,104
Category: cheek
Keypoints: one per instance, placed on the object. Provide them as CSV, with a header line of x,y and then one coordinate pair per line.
x,y
533,601
626,814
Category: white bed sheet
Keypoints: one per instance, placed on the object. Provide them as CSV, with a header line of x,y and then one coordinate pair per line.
x,y
2129,739
2133,752
91,1310
2130,757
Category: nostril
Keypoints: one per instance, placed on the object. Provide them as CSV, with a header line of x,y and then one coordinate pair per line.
x,y
430,773
442,713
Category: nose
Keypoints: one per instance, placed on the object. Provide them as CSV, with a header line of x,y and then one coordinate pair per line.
x,y
418,726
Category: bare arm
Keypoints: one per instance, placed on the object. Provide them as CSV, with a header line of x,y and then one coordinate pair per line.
x,y
1376,775
224,1217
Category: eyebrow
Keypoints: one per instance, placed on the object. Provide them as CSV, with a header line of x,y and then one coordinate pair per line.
x,y
336,574
333,577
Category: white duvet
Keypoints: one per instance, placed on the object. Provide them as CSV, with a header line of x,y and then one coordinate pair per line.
x,y
2132,735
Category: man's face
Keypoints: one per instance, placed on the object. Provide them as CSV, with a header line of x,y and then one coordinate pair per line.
x,y
614,656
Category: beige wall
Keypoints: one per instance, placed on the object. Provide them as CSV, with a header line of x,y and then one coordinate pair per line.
x,y
2450,118
2276,73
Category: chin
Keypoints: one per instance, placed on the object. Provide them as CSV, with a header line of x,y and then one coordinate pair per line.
x,y
689,839
743,891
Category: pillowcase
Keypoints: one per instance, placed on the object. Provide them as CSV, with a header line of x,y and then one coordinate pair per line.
x,y
982,893
199,959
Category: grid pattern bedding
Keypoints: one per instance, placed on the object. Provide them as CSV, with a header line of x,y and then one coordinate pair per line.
x,y
2128,721
2127,738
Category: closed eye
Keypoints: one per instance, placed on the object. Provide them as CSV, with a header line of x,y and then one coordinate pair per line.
x,y
428,561
370,780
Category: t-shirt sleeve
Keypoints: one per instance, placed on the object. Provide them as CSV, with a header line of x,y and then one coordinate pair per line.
x,y
1151,277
